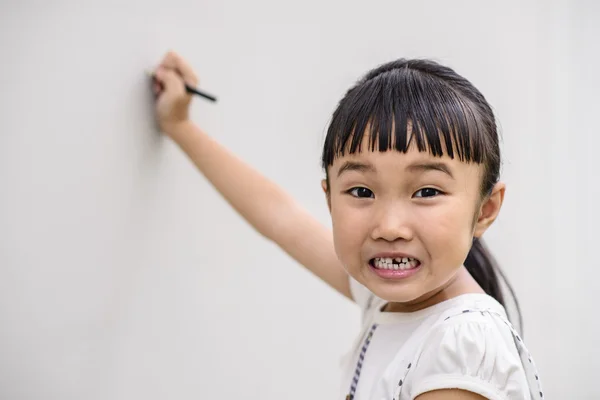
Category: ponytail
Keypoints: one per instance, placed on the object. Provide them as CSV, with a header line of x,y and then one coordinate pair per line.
x,y
485,270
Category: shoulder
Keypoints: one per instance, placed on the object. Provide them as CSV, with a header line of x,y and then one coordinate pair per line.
x,y
472,351
365,299
360,294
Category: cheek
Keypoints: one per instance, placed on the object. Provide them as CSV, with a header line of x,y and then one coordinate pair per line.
x,y
348,230
447,231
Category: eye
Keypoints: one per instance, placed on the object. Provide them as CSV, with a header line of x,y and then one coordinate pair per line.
x,y
361,192
427,192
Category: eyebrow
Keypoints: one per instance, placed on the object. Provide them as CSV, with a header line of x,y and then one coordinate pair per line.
x,y
356,166
430,166
415,167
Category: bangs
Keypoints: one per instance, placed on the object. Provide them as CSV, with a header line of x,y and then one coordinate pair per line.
x,y
400,106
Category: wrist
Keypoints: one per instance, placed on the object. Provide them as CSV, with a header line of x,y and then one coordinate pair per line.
x,y
179,129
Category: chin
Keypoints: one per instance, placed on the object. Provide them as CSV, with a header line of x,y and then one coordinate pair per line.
x,y
395,291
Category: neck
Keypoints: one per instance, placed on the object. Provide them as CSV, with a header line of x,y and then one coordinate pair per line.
x,y
461,283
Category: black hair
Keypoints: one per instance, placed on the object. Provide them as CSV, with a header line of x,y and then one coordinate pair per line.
x,y
423,101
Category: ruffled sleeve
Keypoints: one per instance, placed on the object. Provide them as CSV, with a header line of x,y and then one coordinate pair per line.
x,y
361,295
473,353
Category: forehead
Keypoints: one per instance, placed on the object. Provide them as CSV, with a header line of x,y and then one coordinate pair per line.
x,y
413,161
369,148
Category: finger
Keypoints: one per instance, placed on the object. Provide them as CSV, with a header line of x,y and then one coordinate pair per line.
x,y
178,63
171,81
156,88
187,71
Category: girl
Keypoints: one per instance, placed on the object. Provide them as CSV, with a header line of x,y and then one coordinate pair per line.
x,y
412,163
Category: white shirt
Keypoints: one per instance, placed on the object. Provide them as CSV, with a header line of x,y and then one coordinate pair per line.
x,y
462,343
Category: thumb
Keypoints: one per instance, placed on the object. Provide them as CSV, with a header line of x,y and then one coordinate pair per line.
x,y
172,83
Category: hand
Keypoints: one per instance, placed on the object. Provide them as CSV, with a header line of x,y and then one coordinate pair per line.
x,y
172,101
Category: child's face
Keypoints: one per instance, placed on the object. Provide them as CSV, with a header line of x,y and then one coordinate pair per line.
x,y
391,205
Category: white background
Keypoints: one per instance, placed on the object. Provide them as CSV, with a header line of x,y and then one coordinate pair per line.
x,y
124,275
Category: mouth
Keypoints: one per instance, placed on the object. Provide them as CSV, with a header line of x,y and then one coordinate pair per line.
x,y
394,268
398,263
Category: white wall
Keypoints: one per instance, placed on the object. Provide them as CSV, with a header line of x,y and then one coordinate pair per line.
x,y
123,275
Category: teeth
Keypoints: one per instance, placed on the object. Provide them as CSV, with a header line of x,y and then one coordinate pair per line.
x,y
398,263
397,260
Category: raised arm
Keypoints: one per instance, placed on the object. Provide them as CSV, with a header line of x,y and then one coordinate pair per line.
x,y
261,202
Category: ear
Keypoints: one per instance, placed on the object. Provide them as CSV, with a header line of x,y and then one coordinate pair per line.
x,y
489,209
326,191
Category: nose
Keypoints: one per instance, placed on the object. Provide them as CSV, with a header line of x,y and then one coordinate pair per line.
x,y
392,223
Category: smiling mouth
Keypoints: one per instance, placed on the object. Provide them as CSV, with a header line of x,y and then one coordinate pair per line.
x,y
394,264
